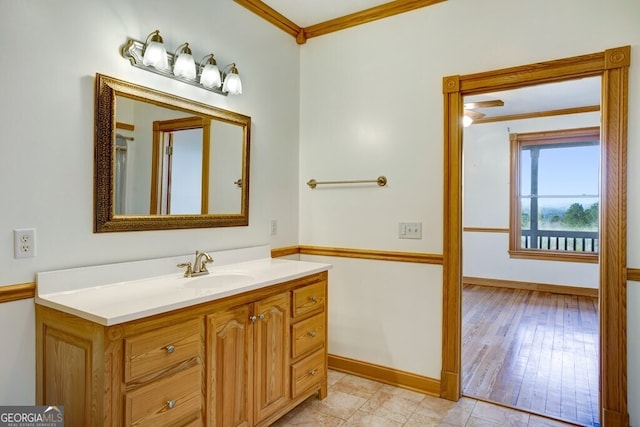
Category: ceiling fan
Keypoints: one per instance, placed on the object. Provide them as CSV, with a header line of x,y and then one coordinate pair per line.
x,y
469,110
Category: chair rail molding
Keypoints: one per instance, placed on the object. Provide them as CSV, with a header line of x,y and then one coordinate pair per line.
x,y
17,292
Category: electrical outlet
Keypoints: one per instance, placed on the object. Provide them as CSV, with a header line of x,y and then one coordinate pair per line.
x,y
410,230
24,242
274,227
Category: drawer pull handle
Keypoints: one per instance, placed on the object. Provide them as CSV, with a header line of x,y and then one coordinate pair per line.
x,y
170,348
261,317
313,299
312,334
313,372
171,404
253,318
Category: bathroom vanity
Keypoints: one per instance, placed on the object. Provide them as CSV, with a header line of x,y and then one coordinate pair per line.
x,y
240,346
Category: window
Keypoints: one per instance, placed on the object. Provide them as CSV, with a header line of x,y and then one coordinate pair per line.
x,y
555,182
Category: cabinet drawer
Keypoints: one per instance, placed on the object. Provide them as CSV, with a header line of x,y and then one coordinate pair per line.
x,y
161,348
171,401
308,372
307,335
308,299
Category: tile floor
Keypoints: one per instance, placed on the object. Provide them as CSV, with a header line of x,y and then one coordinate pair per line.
x,y
354,401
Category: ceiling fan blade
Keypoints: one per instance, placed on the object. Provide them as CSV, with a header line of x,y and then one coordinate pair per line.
x,y
475,115
485,104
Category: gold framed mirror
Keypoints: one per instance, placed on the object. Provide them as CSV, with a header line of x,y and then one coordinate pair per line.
x,y
165,162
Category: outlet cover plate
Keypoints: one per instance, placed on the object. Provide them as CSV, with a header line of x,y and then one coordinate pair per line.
x,y
24,242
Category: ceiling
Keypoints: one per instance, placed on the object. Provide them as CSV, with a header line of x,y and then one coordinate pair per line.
x,y
307,13
559,96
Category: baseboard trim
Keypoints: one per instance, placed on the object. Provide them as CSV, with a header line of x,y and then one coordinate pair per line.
x,y
633,274
385,375
531,286
17,292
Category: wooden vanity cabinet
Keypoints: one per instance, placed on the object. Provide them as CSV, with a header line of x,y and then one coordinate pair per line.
x,y
244,360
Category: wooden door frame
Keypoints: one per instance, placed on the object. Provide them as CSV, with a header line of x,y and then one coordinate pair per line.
x,y
613,67
160,127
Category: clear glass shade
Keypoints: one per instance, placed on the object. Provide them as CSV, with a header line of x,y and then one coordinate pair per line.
x,y
185,66
232,84
155,55
210,76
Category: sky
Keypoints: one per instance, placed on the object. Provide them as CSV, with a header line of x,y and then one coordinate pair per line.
x,y
564,171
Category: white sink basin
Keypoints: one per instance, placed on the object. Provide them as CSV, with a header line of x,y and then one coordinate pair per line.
x,y
215,280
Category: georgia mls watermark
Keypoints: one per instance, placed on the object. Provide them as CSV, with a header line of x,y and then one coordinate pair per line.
x,y
31,416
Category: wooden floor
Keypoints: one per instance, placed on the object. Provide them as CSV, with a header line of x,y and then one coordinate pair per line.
x,y
532,350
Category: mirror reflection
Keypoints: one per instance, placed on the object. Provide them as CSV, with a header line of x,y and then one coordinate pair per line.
x,y
170,162
167,162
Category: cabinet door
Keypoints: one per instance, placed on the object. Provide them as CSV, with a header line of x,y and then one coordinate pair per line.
x,y
229,361
271,352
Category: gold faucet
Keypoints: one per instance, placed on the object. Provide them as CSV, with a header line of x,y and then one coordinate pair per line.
x,y
199,266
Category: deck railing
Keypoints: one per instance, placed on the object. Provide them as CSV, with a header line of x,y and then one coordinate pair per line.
x,y
561,240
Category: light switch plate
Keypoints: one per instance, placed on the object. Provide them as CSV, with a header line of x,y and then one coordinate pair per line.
x,y
410,230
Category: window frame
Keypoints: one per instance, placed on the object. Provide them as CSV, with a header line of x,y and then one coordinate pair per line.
x,y
517,141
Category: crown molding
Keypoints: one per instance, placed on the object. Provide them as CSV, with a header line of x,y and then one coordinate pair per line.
x,y
302,34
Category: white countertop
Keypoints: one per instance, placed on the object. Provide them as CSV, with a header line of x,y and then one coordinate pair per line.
x,y
110,302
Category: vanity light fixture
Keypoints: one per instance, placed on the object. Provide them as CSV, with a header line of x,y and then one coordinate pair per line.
x,y
466,121
153,56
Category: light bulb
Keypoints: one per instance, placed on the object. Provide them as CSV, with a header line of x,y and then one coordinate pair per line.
x,y
155,53
232,83
210,76
185,66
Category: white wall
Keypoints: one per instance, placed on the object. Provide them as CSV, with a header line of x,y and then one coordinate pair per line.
x,y
51,52
371,317
372,104
486,162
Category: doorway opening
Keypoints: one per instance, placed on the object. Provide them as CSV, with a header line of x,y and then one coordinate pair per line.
x,y
180,166
612,65
530,249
